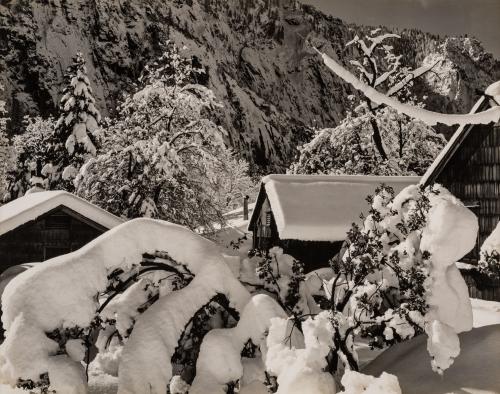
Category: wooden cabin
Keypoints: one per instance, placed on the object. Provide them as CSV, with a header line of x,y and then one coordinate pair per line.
x,y
39,226
309,215
469,167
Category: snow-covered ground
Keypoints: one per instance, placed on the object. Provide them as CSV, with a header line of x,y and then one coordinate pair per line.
x,y
476,370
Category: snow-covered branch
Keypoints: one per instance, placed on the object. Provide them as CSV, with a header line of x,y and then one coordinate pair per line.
x,y
429,117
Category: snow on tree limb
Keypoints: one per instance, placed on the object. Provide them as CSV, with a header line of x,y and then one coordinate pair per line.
x,y
411,76
429,117
368,51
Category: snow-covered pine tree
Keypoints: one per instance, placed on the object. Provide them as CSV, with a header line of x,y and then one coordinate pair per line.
x,y
165,152
76,132
49,154
374,139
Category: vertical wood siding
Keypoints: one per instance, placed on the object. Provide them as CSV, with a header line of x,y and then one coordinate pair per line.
x,y
473,175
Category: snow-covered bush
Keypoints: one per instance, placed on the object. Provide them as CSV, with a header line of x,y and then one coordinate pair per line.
x,y
489,261
394,279
300,364
164,155
281,276
46,332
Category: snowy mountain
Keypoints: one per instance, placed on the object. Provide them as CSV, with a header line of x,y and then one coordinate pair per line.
x,y
273,86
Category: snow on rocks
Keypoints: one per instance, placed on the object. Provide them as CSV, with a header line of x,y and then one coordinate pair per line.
x,y
428,117
33,306
219,361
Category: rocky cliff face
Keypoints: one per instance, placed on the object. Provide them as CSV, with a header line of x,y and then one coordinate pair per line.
x,y
273,87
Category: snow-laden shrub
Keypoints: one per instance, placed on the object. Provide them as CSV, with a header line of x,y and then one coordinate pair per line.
x,y
50,311
300,363
395,279
281,276
489,255
220,361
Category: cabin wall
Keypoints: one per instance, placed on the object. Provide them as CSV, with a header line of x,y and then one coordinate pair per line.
x,y
314,254
48,236
473,175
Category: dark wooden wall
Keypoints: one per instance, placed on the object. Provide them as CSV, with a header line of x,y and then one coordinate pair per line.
x,y
473,175
314,254
57,232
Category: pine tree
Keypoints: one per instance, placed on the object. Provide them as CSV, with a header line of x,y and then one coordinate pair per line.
x,y
77,130
49,155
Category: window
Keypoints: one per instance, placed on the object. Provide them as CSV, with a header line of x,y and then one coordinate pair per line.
x,y
268,219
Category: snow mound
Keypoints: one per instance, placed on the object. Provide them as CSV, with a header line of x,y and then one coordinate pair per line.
x,y
357,383
476,371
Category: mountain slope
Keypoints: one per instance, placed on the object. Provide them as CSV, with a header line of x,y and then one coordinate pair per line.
x,y
273,87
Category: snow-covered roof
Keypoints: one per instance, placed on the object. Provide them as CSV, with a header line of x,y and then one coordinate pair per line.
x,y
451,147
321,207
31,206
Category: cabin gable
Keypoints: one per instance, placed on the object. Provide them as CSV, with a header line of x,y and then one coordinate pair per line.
x,y
58,231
